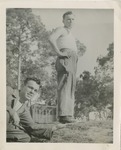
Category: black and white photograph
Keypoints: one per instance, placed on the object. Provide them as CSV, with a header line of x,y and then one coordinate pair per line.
x,y
60,76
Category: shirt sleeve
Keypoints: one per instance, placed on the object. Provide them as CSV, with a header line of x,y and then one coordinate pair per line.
x,y
27,121
33,128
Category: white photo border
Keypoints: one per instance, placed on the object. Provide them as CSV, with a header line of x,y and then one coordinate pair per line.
x,y
116,5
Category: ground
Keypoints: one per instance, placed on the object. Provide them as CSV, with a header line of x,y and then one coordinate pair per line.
x,y
83,132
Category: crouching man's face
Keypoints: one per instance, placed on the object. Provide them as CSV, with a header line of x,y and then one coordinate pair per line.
x,y
30,90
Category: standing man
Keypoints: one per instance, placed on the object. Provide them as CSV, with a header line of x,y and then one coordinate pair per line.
x,y
20,125
66,65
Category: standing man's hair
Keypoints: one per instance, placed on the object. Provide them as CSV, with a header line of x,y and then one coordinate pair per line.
x,y
67,13
32,79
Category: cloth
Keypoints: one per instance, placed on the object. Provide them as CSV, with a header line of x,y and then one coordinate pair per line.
x,y
66,78
17,134
67,41
17,106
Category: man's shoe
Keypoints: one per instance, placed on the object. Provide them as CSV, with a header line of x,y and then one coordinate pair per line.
x,y
65,119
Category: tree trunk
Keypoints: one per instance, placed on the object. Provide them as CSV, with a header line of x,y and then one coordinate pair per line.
x,y
19,69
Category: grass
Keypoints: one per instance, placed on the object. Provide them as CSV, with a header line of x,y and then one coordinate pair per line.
x,y
83,132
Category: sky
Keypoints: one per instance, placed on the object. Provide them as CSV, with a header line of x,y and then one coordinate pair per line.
x,y
93,27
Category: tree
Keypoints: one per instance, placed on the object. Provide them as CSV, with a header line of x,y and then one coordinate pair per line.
x,y
26,44
80,47
105,68
96,91
104,75
29,52
87,93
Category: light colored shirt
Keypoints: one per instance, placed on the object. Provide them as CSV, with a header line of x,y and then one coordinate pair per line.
x,y
67,41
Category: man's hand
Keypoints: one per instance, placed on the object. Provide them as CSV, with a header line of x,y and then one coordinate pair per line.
x,y
58,126
16,119
13,115
63,54
66,54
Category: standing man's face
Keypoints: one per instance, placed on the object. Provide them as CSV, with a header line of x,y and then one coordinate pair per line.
x,y
69,21
30,90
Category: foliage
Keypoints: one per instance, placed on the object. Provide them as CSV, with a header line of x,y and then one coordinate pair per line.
x,y
26,38
28,47
80,47
86,94
96,91
104,71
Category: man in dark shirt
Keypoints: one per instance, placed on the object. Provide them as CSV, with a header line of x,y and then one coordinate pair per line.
x,y
20,125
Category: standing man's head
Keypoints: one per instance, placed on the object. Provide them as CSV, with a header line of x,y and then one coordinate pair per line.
x,y
68,19
30,89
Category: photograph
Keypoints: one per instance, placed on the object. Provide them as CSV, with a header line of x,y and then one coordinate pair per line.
x,y
59,75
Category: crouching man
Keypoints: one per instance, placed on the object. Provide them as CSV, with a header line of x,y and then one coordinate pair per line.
x,y
20,125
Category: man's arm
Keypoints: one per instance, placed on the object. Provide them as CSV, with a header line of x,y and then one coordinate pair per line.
x,y
37,129
33,128
13,114
53,40
11,100
27,121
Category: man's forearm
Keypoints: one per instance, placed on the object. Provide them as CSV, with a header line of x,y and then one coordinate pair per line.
x,y
35,126
39,131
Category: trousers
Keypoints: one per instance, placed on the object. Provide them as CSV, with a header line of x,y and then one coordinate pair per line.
x,y
66,77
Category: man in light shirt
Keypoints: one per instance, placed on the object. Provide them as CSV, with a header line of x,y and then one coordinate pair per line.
x,y
20,125
66,65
